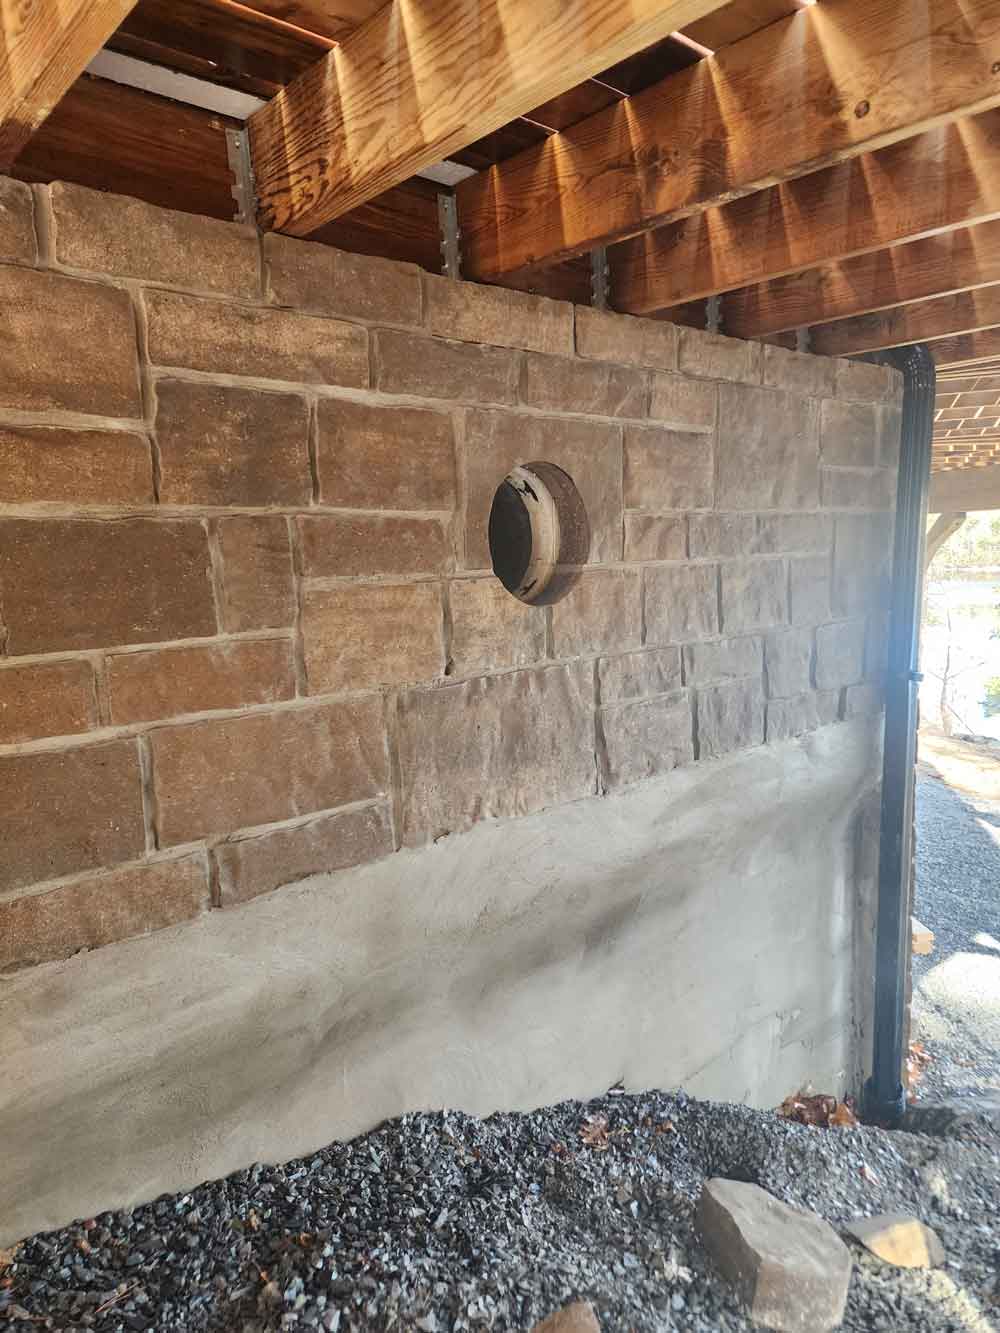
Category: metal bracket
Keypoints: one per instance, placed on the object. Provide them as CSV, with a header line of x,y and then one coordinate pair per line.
x,y
713,314
450,236
244,189
600,278
803,342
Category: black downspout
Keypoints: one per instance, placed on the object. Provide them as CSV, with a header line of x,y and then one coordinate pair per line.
x,y
884,1096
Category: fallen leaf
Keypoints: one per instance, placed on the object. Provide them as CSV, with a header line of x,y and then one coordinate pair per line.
x,y
819,1109
594,1132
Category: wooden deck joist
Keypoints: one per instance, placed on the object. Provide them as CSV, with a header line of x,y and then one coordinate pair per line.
x,y
920,321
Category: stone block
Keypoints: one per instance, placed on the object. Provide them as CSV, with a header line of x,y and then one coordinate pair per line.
x,y
565,384
124,237
491,629
865,382
840,654
73,583
754,594
217,776
768,449
788,658
576,1318
726,659
602,335
495,747
46,699
849,433
921,938
646,737
166,682
17,222
65,811
877,646
899,1239
789,1267
589,451
497,315
436,368
714,535
857,488
317,277
358,635
100,909
681,603
809,590
601,611
639,675
807,533
730,717
258,590
803,713
244,340
890,426
75,467
655,537
668,469
682,403
67,344
715,357
798,372
862,561
863,700
223,445
385,457
344,544
251,866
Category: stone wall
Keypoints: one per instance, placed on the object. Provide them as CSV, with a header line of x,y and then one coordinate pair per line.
x,y
249,628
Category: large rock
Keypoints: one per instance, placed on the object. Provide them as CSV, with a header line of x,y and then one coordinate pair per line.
x,y
790,1267
900,1239
576,1318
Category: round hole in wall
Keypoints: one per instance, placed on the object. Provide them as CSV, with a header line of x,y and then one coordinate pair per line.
x,y
539,533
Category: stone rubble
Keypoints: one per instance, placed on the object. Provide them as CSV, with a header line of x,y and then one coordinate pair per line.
x,y
900,1239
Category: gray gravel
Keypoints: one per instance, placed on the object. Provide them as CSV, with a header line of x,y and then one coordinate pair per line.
x,y
956,989
438,1222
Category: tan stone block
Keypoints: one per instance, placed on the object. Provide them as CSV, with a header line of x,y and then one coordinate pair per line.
x,y
754,594
600,612
491,629
602,335
17,222
311,276
166,682
100,909
726,659
69,810
722,535
788,658
46,699
862,562
890,425
344,544
778,533
647,737
856,488
639,675
655,537
899,1239
477,314
809,590
865,382
921,938
251,866
565,384
77,467
730,717
435,368
865,700
715,357
589,451
258,591
682,403
221,445
219,776
668,469
494,747
385,457
244,340
358,636
681,603
111,233
576,1318
76,583
801,714
798,372
849,433
840,654
768,449
67,344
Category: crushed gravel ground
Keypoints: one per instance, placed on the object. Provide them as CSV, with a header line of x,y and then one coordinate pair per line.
x,y
442,1222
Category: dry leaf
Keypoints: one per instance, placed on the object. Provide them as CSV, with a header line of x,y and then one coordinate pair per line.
x,y
819,1109
594,1132
7,1257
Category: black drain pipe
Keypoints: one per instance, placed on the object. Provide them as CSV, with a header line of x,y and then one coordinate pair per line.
x,y
884,1094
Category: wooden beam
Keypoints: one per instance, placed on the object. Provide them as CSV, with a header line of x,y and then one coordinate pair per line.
x,y
420,80
943,527
953,352
921,321
838,79
45,46
965,489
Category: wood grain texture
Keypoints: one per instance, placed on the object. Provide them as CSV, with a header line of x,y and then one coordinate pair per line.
x,y
969,347
968,489
419,81
402,223
326,18
44,47
921,321
737,20
841,78
945,178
